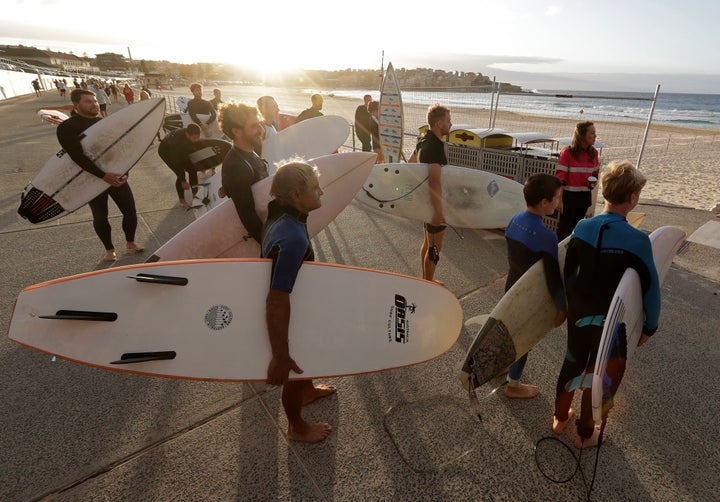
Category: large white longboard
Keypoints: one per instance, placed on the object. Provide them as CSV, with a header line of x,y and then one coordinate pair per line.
x,y
625,317
471,198
220,233
115,144
390,117
307,140
206,319
522,317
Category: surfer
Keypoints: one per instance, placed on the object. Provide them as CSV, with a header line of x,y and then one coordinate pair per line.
x,y
578,168
601,249
242,167
431,150
314,111
362,123
296,191
269,109
69,133
198,105
174,150
529,240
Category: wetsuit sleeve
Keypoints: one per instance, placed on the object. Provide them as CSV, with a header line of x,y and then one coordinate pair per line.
x,y
553,280
651,294
69,140
237,184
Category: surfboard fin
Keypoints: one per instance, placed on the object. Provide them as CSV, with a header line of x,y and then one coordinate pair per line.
x,y
160,279
141,357
82,315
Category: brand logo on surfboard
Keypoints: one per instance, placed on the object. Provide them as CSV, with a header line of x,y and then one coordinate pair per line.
x,y
398,325
218,317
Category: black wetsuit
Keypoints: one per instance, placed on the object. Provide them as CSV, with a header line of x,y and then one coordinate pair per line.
x,y
240,171
69,134
174,150
431,150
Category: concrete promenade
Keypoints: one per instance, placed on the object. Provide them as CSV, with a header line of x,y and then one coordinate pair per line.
x,y
75,433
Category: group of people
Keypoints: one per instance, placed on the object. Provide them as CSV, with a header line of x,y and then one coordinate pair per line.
x,y
600,249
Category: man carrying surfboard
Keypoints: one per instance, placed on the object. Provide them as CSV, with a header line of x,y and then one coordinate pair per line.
x,y
243,167
529,240
297,192
431,150
601,249
197,105
69,134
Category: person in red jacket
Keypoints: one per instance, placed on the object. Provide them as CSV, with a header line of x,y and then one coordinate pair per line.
x,y
578,169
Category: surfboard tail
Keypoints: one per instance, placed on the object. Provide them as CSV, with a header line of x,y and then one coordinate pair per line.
x,y
492,352
36,206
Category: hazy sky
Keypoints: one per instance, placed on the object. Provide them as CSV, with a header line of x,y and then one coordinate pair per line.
x,y
537,41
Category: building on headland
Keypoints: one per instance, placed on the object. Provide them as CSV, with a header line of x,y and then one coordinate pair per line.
x,y
48,59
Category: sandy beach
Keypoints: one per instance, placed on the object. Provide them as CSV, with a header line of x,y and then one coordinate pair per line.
x,y
72,432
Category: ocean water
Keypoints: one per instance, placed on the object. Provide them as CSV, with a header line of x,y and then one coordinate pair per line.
x,y
685,110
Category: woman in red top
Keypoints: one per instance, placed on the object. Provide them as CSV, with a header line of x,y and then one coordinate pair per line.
x,y
577,166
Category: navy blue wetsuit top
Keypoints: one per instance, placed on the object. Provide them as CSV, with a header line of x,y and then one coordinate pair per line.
x,y
601,249
286,241
529,240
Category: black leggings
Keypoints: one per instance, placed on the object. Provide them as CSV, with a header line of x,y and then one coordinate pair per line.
x,y
575,206
124,200
180,177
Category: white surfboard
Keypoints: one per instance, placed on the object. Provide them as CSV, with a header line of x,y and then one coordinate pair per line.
x,y
471,198
221,234
307,139
390,117
54,117
187,320
522,317
115,144
182,103
625,317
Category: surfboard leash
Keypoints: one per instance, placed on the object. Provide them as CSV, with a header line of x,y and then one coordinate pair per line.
x,y
578,459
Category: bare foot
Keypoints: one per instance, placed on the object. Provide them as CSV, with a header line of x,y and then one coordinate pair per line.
x,y
110,255
309,433
558,426
521,391
320,390
183,203
132,247
590,442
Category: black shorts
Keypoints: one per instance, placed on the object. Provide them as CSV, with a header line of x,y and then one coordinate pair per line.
x,y
434,229
103,107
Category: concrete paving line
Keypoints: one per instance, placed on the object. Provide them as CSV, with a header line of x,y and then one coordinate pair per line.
x,y
156,444
290,444
479,289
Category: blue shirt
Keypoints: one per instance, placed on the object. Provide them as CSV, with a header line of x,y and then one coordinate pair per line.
x,y
529,240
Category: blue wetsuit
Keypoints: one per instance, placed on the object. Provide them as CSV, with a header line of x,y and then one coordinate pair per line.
x,y
286,241
601,249
529,240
